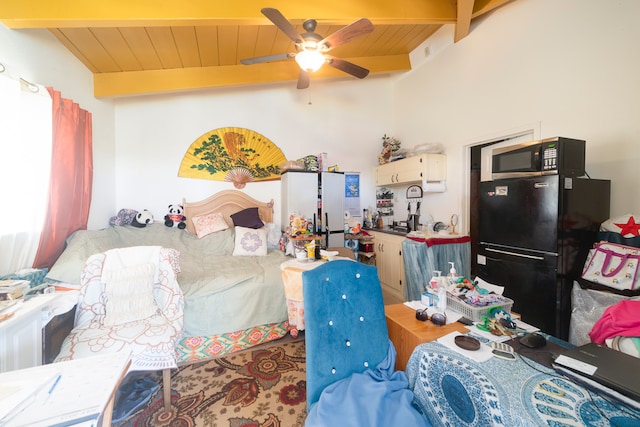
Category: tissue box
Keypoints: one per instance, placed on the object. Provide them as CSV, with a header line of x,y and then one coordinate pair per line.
x,y
428,299
35,276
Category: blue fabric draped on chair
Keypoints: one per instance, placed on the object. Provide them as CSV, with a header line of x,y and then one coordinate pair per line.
x,y
350,360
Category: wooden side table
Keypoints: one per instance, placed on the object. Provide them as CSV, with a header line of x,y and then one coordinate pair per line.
x,y
406,332
301,240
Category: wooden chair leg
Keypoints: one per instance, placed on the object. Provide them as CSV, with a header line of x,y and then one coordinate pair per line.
x,y
166,388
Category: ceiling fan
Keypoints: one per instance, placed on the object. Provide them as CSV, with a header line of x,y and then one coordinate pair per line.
x,y
311,47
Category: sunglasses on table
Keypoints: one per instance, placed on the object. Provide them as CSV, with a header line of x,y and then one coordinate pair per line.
x,y
438,319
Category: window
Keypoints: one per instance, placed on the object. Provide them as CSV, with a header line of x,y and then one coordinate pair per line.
x,y
25,158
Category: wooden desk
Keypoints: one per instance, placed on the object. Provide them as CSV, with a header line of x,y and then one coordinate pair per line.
x,y
406,332
85,391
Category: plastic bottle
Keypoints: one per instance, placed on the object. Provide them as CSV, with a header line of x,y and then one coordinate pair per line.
x,y
442,298
452,277
434,283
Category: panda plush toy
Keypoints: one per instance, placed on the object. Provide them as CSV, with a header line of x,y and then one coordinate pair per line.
x,y
175,218
142,219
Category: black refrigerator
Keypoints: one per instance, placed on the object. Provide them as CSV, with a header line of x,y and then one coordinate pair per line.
x,y
534,236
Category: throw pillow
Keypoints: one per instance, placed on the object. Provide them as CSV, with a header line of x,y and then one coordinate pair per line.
x,y
207,224
248,218
129,293
250,241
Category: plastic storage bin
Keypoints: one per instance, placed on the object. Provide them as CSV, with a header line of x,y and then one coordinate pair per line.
x,y
475,313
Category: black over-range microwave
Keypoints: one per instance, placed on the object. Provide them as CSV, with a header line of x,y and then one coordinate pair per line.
x,y
551,156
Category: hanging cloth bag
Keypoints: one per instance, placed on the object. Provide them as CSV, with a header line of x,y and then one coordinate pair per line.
x,y
613,265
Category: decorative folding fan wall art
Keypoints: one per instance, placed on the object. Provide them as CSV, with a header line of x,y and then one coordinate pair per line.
x,y
232,154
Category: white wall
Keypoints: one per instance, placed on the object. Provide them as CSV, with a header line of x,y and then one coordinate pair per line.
x,y
571,66
38,57
345,119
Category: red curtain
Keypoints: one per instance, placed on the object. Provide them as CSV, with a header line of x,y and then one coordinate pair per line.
x,y
71,178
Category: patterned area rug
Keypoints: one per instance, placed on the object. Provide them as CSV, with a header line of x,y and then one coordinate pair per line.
x,y
260,387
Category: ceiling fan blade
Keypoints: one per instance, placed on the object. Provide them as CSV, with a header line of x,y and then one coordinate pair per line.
x,y
267,58
282,23
361,27
348,67
304,79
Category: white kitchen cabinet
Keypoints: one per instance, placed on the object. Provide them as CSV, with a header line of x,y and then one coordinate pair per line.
x,y
21,334
429,167
388,250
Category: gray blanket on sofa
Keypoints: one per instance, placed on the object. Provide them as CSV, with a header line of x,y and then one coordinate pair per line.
x,y
223,293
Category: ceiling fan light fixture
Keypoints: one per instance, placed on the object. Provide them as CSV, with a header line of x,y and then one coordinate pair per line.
x,y
310,60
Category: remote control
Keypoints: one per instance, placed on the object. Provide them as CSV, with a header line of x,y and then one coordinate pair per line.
x,y
465,321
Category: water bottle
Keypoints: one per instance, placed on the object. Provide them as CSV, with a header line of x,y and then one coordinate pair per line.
x,y
442,298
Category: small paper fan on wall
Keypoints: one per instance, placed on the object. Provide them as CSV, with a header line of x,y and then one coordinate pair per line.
x,y
232,154
239,177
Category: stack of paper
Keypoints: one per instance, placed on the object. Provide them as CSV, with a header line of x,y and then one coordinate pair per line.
x,y
13,289
17,394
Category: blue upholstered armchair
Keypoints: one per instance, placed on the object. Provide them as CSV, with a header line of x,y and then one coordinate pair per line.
x,y
350,359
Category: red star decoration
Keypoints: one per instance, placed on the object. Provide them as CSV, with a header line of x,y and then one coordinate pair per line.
x,y
629,228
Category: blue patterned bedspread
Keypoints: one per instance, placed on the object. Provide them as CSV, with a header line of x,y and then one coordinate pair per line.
x,y
453,390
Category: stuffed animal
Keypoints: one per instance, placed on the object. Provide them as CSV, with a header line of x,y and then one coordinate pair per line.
x,y
142,219
298,225
175,218
124,217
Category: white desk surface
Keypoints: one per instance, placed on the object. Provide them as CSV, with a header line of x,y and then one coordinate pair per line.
x,y
40,302
84,390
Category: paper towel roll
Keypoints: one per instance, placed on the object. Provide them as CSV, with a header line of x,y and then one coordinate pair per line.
x,y
349,220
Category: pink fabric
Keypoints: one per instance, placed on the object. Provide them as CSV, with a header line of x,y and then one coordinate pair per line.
x,y
621,319
71,178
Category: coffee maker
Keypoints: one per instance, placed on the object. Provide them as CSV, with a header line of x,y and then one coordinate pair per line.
x,y
414,220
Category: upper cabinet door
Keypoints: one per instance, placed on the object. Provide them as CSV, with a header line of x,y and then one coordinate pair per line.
x,y
430,167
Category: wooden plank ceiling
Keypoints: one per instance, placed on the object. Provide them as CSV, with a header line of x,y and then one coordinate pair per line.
x,y
153,46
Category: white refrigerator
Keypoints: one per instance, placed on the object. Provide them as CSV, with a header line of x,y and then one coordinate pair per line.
x,y
319,196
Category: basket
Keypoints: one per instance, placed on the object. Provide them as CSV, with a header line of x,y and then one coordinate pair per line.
x,y
475,313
